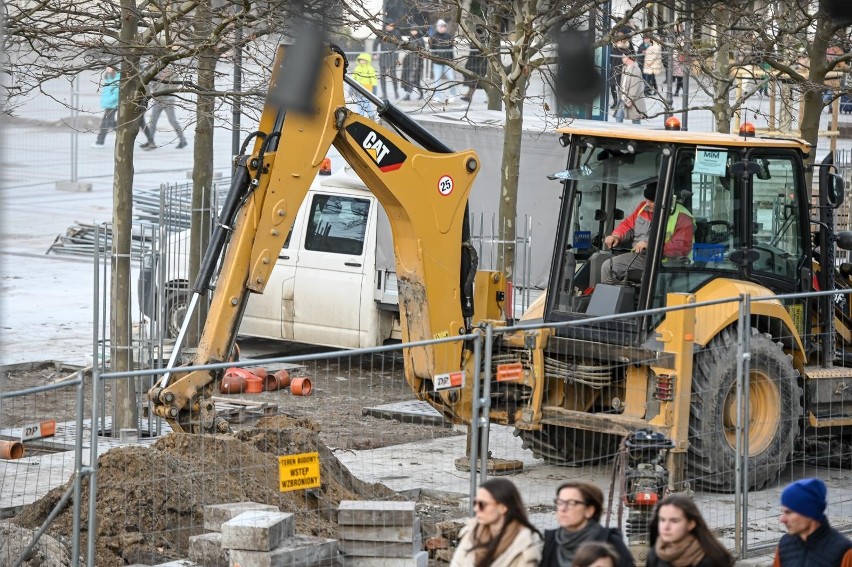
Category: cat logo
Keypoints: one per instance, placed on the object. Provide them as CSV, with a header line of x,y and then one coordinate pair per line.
x,y
381,150
375,147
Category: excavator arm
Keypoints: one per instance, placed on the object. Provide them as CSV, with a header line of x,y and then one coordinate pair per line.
x,y
423,192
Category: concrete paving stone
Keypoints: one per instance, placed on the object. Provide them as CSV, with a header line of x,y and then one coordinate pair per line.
x,y
257,530
420,559
180,563
217,514
375,513
380,548
207,549
381,533
295,551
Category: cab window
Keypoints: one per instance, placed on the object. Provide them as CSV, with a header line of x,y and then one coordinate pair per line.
x,y
337,224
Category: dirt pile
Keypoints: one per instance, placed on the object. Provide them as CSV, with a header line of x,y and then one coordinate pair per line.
x,y
151,499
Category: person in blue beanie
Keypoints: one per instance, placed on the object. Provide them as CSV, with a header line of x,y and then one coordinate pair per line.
x,y
809,540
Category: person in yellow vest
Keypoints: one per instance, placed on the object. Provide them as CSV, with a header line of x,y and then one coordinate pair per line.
x,y
365,74
635,229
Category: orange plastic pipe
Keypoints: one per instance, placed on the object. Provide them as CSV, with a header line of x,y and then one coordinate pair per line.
x,y
11,449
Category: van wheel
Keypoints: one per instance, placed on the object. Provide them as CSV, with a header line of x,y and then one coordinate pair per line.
x,y
177,301
774,412
566,446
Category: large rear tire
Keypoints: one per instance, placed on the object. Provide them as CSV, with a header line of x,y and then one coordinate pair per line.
x,y
774,412
565,446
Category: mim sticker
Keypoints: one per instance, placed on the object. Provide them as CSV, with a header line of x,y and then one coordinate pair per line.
x,y
381,150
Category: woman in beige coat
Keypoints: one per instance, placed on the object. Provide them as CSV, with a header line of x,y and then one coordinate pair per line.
x,y
653,66
500,535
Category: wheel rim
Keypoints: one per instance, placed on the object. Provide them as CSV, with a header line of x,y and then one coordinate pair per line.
x,y
176,316
764,415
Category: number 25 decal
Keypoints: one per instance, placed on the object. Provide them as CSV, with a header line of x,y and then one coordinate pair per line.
x,y
445,185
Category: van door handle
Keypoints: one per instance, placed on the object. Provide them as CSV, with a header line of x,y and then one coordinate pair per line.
x,y
285,257
353,264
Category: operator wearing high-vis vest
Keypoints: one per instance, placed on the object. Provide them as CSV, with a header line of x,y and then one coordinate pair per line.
x,y
680,228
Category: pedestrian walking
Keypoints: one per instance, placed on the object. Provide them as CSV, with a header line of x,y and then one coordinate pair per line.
x,y
596,554
365,74
387,49
616,59
441,44
412,64
679,537
631,101
578,512
162,103
109,103
809,540
677,71
654,67
500,535
476,67
640,59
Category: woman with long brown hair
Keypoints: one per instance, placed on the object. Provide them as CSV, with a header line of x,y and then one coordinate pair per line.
x,y
680,537
500,535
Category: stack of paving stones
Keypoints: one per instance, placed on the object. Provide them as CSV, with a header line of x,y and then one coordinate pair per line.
x,y
380,534
248,534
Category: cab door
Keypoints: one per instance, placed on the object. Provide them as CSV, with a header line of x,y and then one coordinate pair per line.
x,y
330,271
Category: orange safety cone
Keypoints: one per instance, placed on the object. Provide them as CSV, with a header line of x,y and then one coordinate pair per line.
x,y
301,387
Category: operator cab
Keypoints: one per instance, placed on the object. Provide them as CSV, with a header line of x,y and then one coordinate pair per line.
x,y
743,226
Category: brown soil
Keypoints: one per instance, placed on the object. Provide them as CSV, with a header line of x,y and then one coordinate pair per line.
x,y
151,499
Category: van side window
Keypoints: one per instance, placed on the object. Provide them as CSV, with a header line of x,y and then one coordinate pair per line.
x,y
337,224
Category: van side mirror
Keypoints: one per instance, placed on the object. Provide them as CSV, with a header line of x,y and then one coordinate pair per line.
x,y
844,240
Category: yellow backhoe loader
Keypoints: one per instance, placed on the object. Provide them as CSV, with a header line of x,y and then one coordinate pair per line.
x,y
581,387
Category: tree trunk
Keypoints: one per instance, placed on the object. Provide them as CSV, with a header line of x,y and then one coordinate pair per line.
x,y
131,97
509,170
722,68
202,173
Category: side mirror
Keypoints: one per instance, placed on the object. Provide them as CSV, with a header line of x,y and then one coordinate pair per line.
x,y
844,240
835,191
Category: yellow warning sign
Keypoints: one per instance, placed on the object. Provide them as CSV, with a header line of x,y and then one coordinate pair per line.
x,y
298,472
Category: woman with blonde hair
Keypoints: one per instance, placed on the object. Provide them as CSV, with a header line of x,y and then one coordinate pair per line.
x,y
500,535
679,537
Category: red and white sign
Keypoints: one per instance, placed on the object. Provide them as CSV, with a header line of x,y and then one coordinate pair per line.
x,y
445,185
38,430
449,380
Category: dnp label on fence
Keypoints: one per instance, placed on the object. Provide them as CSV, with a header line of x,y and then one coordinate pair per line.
x,y
449,380
298,472
45,428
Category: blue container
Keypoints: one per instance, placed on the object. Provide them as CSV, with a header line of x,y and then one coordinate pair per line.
x,y
708,252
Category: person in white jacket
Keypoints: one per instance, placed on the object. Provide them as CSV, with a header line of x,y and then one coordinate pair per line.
x,y
500,535
653,66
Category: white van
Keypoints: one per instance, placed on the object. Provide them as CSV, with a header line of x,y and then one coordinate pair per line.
x,y
334,283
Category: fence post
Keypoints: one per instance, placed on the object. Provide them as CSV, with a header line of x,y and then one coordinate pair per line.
x,y
93,453
741,462
485,405
475,416
79,472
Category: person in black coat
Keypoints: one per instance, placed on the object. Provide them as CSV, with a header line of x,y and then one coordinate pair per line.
x,y
412,64
476,67
578,511
680,536
388,45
